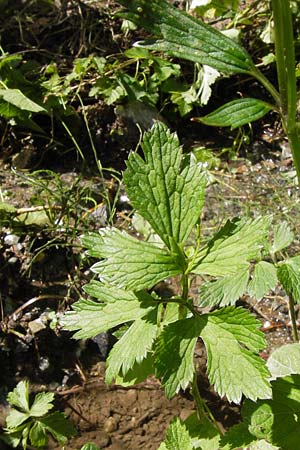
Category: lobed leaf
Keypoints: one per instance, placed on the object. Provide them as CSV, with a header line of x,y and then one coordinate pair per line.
x,y
19,397
283,236
59,426
174,354
38,435
230,250
177,436
132,347
129,263
91,318
236,113
42,404
183,36
166,192
235,330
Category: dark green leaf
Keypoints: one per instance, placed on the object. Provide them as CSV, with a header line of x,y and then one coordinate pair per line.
x,y
289,276
59,426
38,436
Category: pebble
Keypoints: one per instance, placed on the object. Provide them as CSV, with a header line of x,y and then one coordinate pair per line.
x,y
110,425
11,239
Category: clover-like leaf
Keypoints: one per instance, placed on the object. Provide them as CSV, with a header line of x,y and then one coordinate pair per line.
x,y
235,330
168,193
231,249
129,263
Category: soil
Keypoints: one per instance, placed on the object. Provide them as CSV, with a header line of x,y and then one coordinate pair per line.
x,y
42,269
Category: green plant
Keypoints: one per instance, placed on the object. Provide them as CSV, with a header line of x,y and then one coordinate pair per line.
x,y
30,421
167,189
183,36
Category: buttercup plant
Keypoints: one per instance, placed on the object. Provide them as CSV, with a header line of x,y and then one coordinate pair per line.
x,y
167,189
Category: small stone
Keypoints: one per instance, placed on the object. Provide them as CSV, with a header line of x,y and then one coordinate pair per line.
x,y
110,425
11,239
12,260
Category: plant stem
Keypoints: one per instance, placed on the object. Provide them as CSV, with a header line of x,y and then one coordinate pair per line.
x,y
293,318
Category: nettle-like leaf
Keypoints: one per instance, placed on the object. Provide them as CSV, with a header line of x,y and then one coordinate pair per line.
x,y
264,279
285,361
278,420
183,36
231,335
289,276
166,192
233,247
91,318
236,113
126,351
129,263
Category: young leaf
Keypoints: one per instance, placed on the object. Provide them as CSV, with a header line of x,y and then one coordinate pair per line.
x,y
236,113
38,435
89,446
284,361
177,436
168,194
264,279
277,420
130,263
19,397
234,329
59,426
231,249
185,37
174,354
283,236
225,291
91,318
15,418
42,404
289,276
132,347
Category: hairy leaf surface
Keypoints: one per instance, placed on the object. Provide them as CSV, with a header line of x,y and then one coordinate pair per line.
x,y
236,113
130,263
232,247
168,194
232,368
183,36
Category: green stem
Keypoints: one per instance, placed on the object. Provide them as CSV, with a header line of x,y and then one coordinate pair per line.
x,y
267,85
185,293
293,318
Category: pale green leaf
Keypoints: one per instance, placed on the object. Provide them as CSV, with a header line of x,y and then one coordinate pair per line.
x,y
42,404
283,237
277,420
177,436
59,426
235,330
19,397
289,276
285,360
225,291
236,113
132,347
18,99
91,318
166,192
130,263
16,418
231,249
174,354
185,37
203,433
264,279
262,445
38,436
89,446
